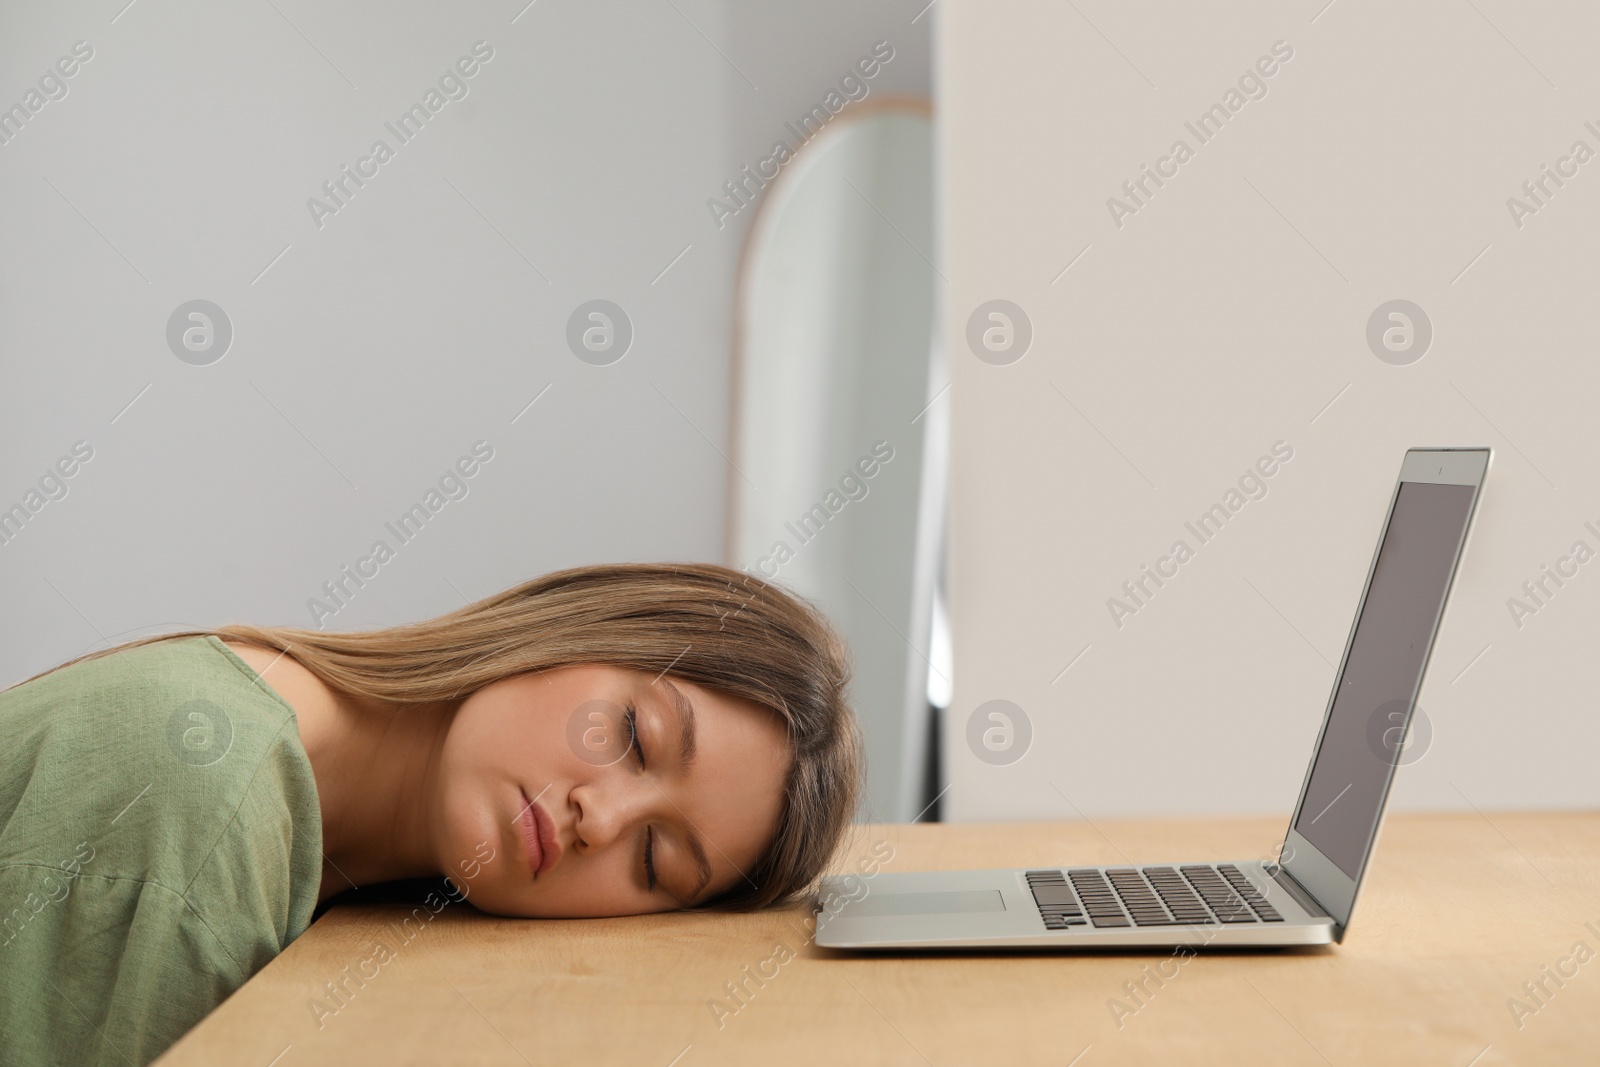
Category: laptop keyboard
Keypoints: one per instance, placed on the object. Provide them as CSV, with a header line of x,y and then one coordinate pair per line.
x,y
1153,896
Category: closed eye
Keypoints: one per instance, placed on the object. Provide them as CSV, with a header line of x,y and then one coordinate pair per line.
x,y
632,719
649,860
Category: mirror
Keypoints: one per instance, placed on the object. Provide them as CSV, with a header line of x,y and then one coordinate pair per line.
x,y
840,422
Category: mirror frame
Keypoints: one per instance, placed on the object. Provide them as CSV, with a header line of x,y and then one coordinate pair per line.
x,y
755,235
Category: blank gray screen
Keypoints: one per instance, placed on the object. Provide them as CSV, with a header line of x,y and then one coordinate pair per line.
x,y
1353,765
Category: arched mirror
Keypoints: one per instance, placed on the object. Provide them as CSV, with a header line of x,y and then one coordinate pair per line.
x,y
840,422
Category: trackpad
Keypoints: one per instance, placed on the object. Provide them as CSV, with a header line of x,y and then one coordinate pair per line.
x,y
946,902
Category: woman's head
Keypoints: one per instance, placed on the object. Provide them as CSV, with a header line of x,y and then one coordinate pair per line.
x,y
592,759
588,720
561,684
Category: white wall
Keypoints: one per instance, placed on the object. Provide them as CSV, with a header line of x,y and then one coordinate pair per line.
x,y
1227,314
422,317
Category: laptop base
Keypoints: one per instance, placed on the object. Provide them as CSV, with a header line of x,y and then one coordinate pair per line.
x,y
1070,909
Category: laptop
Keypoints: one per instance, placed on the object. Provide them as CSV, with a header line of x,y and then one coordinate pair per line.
x,y
1305,895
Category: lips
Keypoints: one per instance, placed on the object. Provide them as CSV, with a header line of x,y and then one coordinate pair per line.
x,y
529,823
538,837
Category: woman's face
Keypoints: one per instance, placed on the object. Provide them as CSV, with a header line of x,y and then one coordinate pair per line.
x,y
570,741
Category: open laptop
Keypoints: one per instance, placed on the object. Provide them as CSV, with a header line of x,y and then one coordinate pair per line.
x,y
1304,898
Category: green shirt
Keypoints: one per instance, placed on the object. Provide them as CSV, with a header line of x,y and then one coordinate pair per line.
x,y
160,841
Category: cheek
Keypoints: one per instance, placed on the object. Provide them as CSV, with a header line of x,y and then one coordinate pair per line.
x,y
752,808
508,737
488,753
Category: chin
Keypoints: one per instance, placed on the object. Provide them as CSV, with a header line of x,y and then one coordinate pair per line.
x,y
489,895
473,851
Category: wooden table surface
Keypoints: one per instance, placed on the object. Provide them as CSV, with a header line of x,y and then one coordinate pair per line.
x,y
1459,913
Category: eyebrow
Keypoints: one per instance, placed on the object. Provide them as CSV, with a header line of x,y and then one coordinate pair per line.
x,y
686,722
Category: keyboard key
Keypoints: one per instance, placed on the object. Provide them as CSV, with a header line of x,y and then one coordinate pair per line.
x,y
1059,907
1192,894
1049,894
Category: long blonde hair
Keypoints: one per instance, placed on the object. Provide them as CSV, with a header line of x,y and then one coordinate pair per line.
x,y
720,628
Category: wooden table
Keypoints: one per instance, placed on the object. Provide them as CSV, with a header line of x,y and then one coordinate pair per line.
x,y
1459,912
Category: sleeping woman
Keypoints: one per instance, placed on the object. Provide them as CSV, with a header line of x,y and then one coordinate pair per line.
x,y
607,740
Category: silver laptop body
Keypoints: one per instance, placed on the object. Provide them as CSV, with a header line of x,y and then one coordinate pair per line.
x,y
1304,898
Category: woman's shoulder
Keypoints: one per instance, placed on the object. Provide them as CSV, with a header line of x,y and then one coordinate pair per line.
x,y
160,827
155,755
152,688
287,679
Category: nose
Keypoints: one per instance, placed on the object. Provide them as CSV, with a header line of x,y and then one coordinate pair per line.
x,y
611,808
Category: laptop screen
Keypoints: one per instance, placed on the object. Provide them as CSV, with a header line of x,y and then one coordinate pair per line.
x,y
1361,742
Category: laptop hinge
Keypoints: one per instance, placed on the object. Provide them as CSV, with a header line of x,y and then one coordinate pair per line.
x,y
1281,875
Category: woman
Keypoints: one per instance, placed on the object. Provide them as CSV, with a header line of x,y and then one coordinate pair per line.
x,y
606,740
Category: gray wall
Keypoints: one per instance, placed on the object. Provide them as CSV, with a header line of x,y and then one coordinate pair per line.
x,y
371,352
1230,312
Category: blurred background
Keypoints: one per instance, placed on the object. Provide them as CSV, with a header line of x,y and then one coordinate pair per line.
x,y
389,309
915,307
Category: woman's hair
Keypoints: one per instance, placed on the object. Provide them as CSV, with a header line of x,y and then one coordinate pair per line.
x,y
719,628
